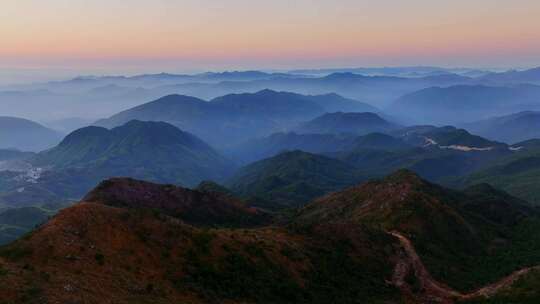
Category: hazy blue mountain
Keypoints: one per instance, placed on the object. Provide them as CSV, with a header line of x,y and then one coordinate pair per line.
x,y
509,128
234,118
379,91
513,76
449,137
152,80
259,148
92,97
68,125
352,123
268,104
292,179
242,75
413,71
172,108
378,141
335,103
449,78
327,144
26,135
435,153
12,154
153,151
459,104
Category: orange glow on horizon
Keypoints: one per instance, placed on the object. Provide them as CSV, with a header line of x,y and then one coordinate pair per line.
x,y
201,30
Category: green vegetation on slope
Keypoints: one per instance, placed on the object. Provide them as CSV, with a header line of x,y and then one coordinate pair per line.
x,y
518,174
153,151
150,150
292,179
461,244
14,222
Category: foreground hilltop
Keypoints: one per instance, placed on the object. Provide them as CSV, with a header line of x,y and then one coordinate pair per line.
x,y
399,239
201,208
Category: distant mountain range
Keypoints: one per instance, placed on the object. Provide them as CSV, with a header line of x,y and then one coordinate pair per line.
x,y
463,103
90,97
524,76
274,144
26,135
434,153
447,138
291,177
231,119
511,128
259,148
147,80
93,97
413,71
352,123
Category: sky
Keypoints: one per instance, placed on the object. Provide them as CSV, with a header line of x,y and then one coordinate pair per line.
x,y
129,36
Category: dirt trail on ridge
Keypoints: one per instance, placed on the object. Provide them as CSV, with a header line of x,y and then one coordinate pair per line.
x,y
437,292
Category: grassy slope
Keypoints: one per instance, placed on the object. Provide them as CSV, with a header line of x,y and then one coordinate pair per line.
x,y
518,174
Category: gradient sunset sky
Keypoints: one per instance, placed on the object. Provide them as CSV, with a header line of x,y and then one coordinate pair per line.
x,y
241,34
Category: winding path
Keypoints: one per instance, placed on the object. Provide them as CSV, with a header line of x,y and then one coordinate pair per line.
x,y
438,292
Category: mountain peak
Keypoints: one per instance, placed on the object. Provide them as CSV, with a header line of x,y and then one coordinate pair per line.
x,y
85,133
360,123
383,200
193,206
267,91
148,125
176,98
404,176
292,178
153,150
344,75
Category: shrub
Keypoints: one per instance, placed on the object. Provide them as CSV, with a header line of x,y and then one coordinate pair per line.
x,y
100,258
